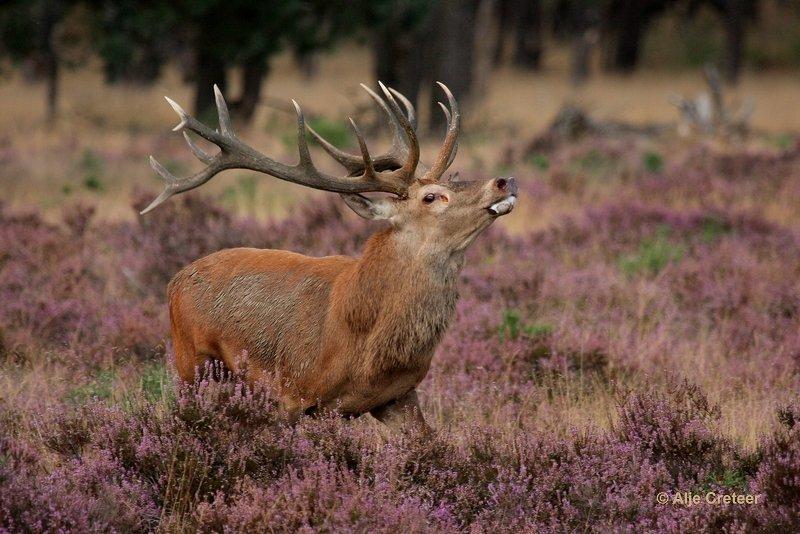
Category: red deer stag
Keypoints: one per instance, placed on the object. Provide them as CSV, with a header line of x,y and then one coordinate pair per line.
x,y
356,334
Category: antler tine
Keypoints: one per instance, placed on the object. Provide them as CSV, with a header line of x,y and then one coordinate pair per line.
x,y
215,164
447,152
225,126
412,116
196,150
302,143
446,112
224,139
180,111
351,162
367,159
398,152
455,148
367,167
406,172
234,154
398,140
190,123
400,143
175,185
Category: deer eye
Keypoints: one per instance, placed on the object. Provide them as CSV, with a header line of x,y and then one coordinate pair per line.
x,y
430,197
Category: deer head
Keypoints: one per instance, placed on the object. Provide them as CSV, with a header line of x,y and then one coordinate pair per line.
x,y
431,213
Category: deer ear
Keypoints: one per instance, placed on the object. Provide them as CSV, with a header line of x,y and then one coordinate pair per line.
x,y
369,208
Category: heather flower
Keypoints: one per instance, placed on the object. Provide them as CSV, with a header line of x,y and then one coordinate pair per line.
x,y
650,277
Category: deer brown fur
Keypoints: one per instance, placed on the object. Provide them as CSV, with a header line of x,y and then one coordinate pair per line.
x,y
355,334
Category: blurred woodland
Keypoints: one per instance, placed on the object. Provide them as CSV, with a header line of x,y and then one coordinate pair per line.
x,y
413,42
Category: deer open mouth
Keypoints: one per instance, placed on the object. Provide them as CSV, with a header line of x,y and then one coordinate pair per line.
x,y
503,206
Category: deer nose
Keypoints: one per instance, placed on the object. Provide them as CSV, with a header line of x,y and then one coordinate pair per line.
x,y
508,185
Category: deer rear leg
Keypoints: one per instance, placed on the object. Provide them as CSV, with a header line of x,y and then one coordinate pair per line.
x,y
401,414
185,357
193,363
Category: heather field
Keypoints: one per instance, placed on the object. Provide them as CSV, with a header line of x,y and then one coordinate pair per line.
x,y
633,329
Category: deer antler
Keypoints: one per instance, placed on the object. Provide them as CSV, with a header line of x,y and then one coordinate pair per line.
x,y
400,123
400,126
450,146
235,154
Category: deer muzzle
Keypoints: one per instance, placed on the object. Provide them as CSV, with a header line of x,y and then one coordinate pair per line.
x,y
507,203
504,206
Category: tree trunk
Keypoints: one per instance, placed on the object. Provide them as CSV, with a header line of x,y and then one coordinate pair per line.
x,y
505,23
580,62
253,74
529,36
454,52
51,74
626,50
624,22
307,63
402,56
210,71
50,15
563,21
583,24
735,36
486,34
397,63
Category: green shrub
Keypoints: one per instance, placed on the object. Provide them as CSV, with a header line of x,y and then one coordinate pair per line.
x,y
91,166
155,382
512,327
713,229
99,387
653,161
335,132
596,163
539,161
652,255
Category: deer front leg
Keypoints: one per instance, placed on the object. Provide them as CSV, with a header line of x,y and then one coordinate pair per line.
x,y
402,413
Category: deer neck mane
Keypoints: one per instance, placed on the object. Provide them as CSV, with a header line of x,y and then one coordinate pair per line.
x,y
399,260
401,300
